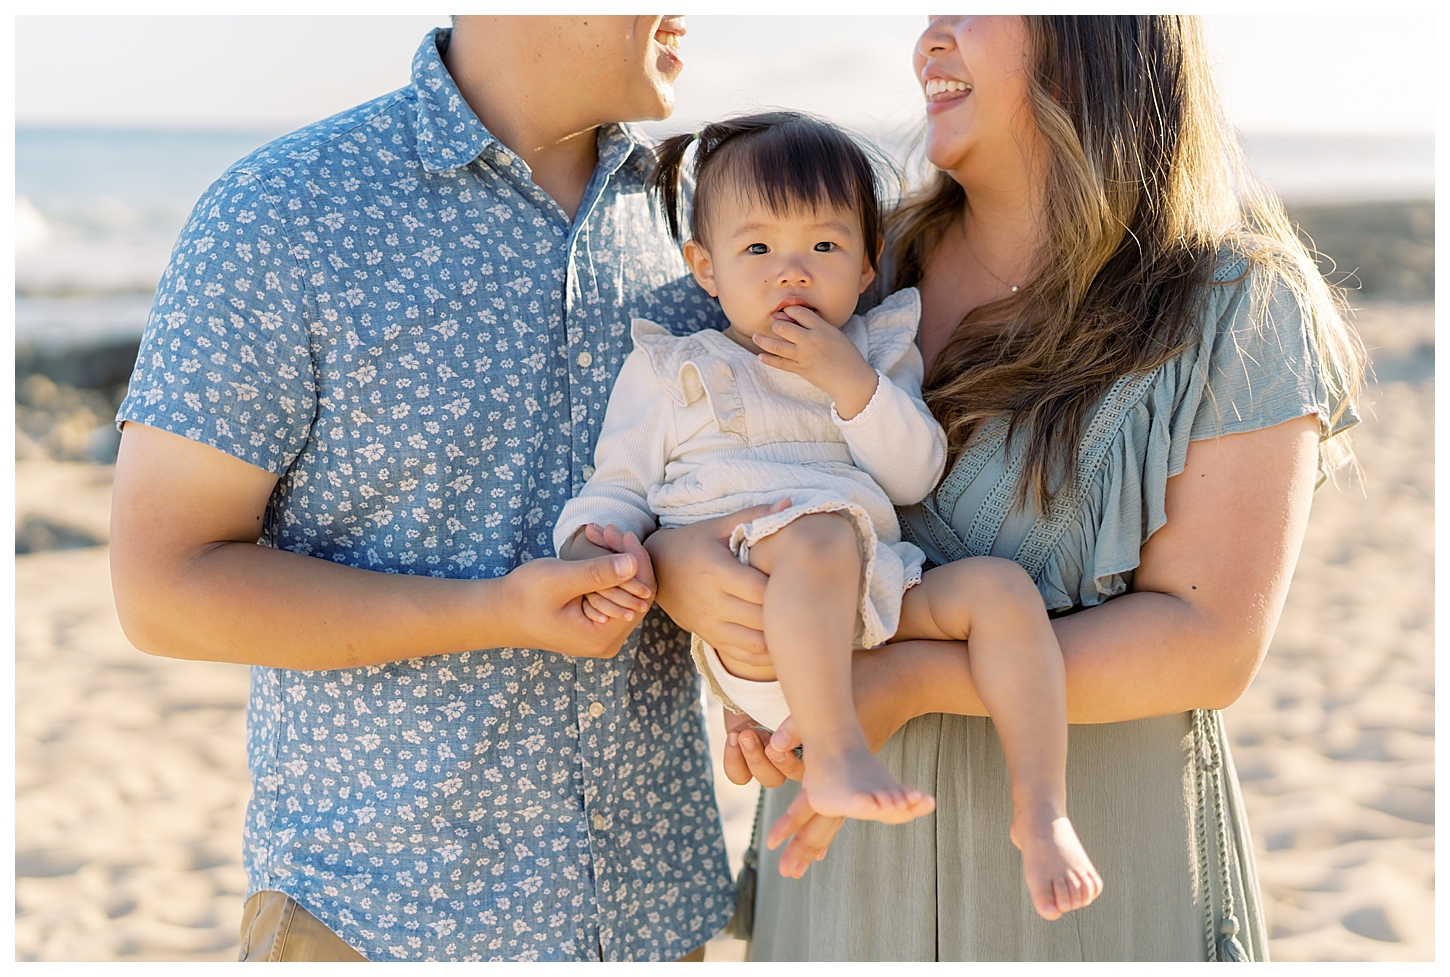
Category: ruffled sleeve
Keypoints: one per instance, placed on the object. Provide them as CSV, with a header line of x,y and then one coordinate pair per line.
x,y
1256,366
891,331
1260,366
894,438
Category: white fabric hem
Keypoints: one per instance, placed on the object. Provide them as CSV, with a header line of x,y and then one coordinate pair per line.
x,y
876,397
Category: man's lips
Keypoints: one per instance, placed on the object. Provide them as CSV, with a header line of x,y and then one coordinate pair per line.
x,y
668,35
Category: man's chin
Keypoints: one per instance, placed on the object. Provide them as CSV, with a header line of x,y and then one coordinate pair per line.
x,y
660,106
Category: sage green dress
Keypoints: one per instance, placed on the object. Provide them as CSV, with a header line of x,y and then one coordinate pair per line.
x,y
1155,801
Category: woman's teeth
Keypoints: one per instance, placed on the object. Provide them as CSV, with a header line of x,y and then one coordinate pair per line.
x,y
669,39
940,86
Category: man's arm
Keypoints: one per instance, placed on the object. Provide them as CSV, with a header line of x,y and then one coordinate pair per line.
x,y
190,581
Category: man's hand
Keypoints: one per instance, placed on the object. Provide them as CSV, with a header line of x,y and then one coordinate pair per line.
x,y
813,349
630,598
190,581
547,598
749,754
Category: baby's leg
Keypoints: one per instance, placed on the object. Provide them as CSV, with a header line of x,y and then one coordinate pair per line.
x,y
811,606
1017,668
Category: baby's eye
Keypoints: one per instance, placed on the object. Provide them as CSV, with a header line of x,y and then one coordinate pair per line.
x,y
758,249
825,246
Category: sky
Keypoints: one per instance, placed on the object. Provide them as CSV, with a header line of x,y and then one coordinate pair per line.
x,y
1277,74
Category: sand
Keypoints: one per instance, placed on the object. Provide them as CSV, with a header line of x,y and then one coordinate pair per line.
x,y
131,777
1334,740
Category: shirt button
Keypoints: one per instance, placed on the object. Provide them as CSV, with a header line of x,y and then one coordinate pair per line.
x,y
587,471
584,359
598,822
596,709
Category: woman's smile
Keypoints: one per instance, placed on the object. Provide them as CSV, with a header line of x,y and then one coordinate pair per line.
x,y
944,93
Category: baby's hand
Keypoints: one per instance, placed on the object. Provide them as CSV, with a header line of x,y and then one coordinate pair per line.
x,y
812,348
633,596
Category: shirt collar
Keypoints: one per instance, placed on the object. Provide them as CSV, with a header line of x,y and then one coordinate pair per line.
x,y
451,136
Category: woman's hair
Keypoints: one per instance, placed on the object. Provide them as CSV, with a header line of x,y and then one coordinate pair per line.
x,y
1145,184
779,160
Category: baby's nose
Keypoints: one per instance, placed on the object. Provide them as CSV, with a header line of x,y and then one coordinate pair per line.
x,y
794,274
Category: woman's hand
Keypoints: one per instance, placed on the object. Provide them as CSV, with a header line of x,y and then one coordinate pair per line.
x,y
749,756
893,684
706,590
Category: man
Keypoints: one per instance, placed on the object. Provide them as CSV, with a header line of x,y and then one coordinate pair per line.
x,y
383,349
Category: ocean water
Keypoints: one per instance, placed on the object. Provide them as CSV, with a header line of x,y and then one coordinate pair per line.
x,y
98,210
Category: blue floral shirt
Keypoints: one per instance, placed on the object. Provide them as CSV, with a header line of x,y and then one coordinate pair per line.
x,y
383,310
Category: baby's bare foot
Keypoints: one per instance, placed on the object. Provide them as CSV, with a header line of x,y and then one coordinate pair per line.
x,y
1060,876
854,784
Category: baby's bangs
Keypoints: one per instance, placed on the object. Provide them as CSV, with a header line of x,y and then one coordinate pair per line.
x,y
797,166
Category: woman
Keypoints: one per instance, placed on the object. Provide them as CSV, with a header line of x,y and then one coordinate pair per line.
x,y
1137,365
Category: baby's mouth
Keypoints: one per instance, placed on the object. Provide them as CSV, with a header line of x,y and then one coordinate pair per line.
x,y
786,303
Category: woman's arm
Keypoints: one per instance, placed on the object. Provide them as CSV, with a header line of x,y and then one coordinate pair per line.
x,y
1205,601
1209,587
706,590
190,581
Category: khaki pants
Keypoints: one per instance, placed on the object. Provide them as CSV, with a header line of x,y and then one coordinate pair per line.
x,y
275,929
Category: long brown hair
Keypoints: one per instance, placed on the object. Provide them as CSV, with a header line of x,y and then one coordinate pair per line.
x,y
1145,185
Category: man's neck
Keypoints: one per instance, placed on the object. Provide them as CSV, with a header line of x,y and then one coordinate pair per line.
x,y
525,107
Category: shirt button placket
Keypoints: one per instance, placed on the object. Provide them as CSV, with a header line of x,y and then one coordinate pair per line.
x,y
577,322
595,677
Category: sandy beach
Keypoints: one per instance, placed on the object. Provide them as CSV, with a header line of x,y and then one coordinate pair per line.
x,y
131,777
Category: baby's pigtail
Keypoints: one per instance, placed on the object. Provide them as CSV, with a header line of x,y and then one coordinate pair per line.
x,y
664,181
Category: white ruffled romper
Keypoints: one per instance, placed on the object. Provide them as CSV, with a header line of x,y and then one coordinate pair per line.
x,y
698,427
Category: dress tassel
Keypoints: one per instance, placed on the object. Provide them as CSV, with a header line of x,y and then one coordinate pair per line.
x,y
1230,950
742,924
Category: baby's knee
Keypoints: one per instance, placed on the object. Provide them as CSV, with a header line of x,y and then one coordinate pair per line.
x,y
989,581
824,540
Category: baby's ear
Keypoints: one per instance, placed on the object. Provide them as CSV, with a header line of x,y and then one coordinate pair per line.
x,y
868,270
699,261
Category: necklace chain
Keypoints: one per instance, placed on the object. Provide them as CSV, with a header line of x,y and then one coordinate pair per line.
x,y
983,265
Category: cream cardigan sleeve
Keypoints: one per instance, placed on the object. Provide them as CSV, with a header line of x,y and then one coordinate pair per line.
x,y
895,439
635,443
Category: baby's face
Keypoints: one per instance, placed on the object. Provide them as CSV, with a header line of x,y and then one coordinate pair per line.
x,y
758,263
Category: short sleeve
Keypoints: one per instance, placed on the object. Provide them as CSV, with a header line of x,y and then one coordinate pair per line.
x,y
225,359
1256,365
1261,366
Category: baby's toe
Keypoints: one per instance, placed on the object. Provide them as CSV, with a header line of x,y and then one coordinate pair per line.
x,y
1077,890
1046,906
1062,894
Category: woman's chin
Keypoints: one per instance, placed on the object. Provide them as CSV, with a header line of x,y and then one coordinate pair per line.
x,y
946,145
945,157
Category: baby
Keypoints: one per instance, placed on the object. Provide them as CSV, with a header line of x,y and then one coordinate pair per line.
x,y
801,400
